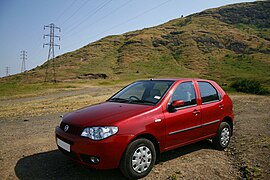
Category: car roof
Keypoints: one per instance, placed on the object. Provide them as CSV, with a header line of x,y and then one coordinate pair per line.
x,y
179,79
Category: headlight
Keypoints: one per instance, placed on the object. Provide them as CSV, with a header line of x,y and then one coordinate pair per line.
x,y
98,133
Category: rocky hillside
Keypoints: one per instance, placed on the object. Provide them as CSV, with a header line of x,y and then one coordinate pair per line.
x,y
223,44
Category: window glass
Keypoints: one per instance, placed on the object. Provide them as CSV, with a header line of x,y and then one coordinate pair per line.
x,y
208,92
186,92
136,90
161,86
143,92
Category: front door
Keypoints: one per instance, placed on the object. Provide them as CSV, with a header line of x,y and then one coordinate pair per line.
x,y
183,124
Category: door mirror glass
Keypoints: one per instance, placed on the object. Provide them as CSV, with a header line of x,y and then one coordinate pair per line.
x,y
178,103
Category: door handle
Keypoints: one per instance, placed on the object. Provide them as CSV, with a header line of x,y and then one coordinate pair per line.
x,y
221,106
196,112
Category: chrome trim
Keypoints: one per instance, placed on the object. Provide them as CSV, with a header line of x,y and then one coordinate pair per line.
x,y
184,107
212,122
183,130
211,101
66,128
194,127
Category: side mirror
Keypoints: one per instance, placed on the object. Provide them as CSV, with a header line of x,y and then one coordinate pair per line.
x,y
177,103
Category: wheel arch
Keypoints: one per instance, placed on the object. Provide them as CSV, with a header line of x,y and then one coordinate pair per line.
x,y
152,139
125,166
229,120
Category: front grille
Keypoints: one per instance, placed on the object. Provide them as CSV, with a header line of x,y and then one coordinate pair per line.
x,y
72,129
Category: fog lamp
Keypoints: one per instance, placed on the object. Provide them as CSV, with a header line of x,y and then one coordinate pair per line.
x,y
94,159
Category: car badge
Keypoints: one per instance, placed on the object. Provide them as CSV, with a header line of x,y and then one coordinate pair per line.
x,y
66,128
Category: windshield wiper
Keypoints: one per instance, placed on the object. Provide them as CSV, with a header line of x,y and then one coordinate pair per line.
x,y
142,101
121,100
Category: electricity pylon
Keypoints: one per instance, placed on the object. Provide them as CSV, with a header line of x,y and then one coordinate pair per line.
x,y
24,58
51,45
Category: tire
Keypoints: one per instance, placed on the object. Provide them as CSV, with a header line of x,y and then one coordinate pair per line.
x,y
138,159
222,139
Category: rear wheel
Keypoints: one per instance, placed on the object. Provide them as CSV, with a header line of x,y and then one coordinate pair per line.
x,y
138,159
222,139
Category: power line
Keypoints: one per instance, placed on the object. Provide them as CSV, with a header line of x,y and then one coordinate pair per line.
x,y
24,58
90,15
51,45
63,12
135,17
131,19
84,3
37,52
98,20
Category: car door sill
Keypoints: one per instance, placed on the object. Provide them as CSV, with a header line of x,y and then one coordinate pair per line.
x,y
189,142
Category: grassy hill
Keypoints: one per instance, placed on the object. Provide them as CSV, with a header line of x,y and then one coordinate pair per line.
x,y
223,44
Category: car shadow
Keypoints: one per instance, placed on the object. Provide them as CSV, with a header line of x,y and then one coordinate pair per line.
x,y
169,155
54,165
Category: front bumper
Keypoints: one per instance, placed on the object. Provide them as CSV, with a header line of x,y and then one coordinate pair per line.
x,y
109,150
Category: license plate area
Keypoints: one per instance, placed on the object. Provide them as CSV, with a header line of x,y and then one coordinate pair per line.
x,y
63,145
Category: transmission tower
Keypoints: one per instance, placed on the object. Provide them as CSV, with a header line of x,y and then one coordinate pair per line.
x,y
7,71
24,58
51,45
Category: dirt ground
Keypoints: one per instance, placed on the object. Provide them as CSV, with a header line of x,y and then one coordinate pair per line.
x,y
28,149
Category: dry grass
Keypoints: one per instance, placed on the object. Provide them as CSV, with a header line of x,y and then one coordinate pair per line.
x,y
48,106
54,103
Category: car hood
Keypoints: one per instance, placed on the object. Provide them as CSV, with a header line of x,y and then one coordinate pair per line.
x,y
104,114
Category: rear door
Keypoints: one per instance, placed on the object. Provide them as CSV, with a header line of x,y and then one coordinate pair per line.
x,y
212,108
183,123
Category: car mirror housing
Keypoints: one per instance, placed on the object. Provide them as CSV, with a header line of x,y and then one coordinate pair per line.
x,y
178,103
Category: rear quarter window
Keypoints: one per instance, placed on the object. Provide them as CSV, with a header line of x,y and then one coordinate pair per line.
x,y
208,92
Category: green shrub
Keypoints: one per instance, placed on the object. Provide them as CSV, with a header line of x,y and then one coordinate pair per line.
x,y
249,86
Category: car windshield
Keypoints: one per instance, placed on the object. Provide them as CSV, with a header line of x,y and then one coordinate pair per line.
x,y
148,92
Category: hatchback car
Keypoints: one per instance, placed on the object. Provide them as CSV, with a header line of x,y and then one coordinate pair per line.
x,y
144,119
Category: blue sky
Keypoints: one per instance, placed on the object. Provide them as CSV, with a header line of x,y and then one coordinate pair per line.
x,y
81,22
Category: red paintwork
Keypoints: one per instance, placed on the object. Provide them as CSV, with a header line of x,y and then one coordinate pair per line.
x,y
135,120
178,103
105,114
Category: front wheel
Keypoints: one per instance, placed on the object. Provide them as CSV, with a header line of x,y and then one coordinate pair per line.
x,y
222,139
138,159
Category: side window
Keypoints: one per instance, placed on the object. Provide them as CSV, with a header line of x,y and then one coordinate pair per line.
x,y
208,92
185,91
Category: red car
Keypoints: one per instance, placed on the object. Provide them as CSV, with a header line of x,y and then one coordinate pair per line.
x,y
145,119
